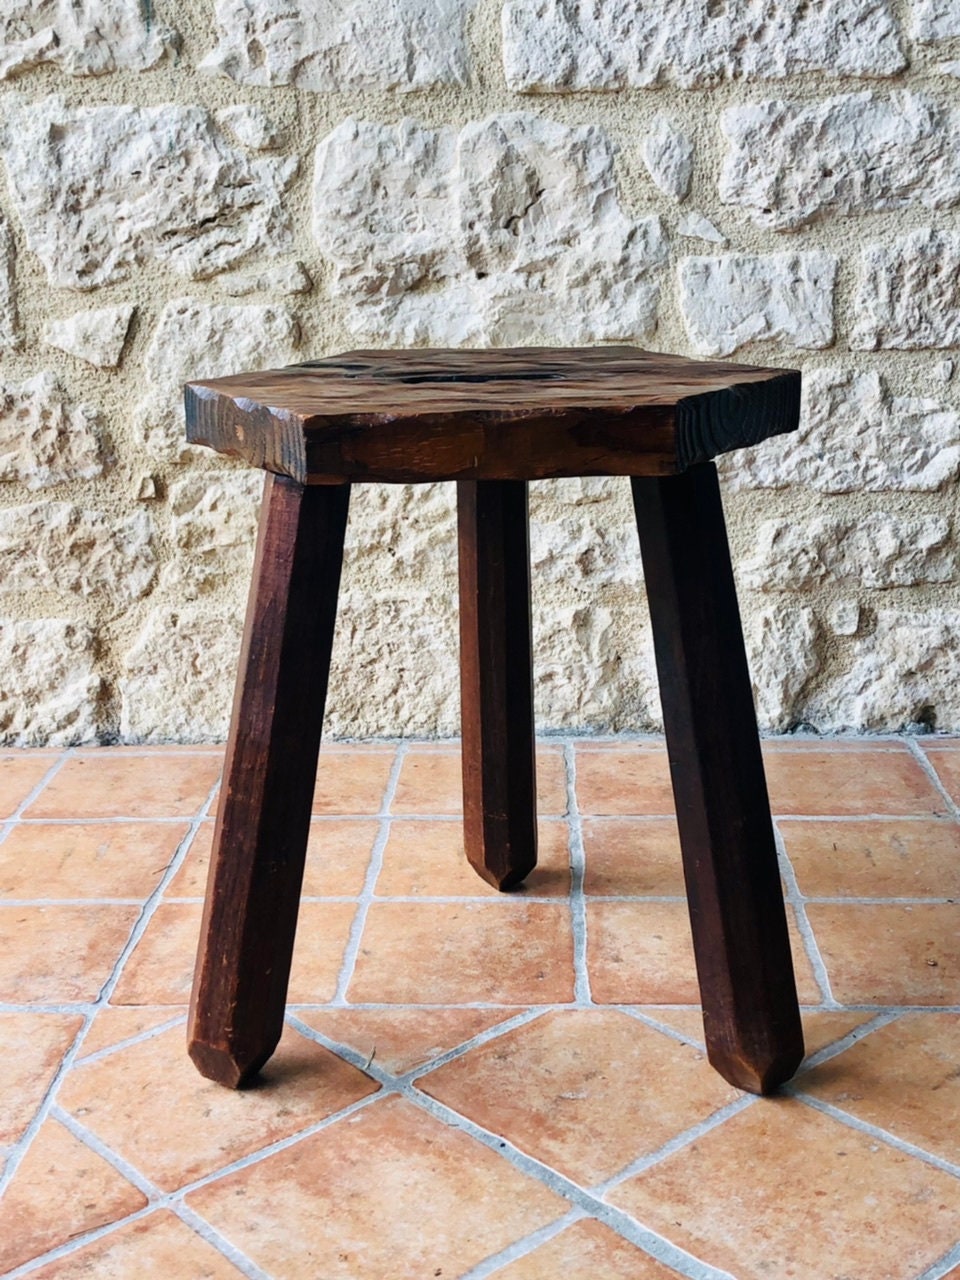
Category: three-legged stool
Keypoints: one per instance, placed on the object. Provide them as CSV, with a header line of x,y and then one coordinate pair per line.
x,y
493,420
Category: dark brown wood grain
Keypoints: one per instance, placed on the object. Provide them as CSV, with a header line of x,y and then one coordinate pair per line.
x,y
496,681
260,839
531,412
751,1016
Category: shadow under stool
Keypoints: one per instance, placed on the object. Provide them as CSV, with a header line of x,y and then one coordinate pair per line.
x,y
492,421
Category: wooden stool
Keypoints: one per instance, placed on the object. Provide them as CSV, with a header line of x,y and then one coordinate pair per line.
x,y
492,420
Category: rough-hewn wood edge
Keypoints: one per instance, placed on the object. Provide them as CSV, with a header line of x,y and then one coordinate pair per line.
x,y
269,438
735,417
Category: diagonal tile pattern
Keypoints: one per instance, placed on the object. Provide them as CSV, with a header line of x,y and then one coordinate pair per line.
x,y
473,1084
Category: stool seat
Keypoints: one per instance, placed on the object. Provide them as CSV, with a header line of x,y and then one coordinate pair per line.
x,y
527,413
492,421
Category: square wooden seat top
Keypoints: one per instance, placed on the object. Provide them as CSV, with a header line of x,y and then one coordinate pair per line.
x,y
524,413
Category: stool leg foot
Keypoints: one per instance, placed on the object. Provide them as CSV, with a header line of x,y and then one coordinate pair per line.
x,y
496,681
744,966
259,845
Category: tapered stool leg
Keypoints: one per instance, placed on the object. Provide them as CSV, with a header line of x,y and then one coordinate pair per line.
x,y
260,840
751,1016
496,682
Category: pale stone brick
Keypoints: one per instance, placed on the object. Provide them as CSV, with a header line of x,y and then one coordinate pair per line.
x,y
908,295
94,336
668,154
561,45
60,547
935,20
696,226
50,687
342,44
789,162
739,298
875,550
508,231
88,39
251,126
855,436
784,656
213,528
44,437
283,281
102,190
194,339
9,328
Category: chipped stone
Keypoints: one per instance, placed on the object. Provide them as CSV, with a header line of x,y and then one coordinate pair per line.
x,y
905,673
909,292
9,328
843,617
943,370
103,190
343,44
282,281
50,688
147,489
556,46
44,437
445,237
75,551
194,339
695,226
668,154
94,336
213,528
935,20
789,162
251,126
577,672
88,39
876,550
783,656
854,436
178,675
732,300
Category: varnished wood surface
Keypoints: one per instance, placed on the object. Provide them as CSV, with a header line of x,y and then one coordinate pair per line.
x,y
263,820
740,941
496,681
521,413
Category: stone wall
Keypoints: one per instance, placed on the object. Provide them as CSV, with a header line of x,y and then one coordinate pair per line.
x,y
197,188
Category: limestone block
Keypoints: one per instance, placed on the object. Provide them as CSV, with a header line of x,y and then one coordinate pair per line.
x,y
395,664
578,678
282,281
60,547
44,437
904,673
9,329
854,436
102,190
696,226
935,20
213,529
668,154
909,292
876,550
251,126
783,656
402,535
584,552
86,39
195,339
843,617
327,45
789,162
95,336
562,45
510,231
740,298
50,688
178,675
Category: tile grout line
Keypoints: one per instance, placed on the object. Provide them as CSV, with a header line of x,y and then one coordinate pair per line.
x,y
578,903
520,1248
836,1047
944,1264
108,1050
9,823
872,1130
804,928
926,764
365,898
147,910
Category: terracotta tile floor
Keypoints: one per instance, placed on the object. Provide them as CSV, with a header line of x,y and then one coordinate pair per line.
x,y
473,1084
